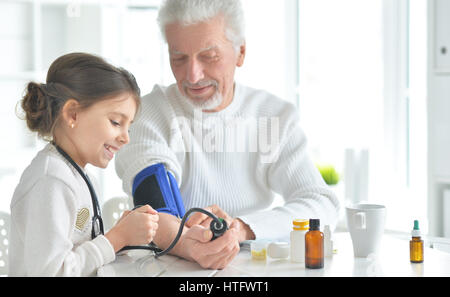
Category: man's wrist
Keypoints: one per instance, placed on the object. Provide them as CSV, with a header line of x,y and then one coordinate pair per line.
x,y
245,233
181,250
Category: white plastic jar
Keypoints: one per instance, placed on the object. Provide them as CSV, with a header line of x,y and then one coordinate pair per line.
x,y
299,229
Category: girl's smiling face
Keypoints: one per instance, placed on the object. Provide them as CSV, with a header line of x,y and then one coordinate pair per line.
x,y
96,133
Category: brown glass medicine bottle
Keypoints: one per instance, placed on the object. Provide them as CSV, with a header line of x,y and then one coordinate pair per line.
x,y
314,245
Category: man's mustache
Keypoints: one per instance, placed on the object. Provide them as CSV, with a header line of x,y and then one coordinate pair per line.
x,y
200,84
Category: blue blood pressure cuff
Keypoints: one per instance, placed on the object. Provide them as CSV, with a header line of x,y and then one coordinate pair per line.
x,y
157,187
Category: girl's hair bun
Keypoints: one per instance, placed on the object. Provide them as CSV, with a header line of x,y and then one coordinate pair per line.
x,y
40,109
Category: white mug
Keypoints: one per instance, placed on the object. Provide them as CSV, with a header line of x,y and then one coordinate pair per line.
x,y
365,223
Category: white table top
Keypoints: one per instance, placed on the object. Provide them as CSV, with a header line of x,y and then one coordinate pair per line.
x,y
392,260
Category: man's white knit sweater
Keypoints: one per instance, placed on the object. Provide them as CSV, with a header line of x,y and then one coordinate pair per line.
x,y
51,222
236,158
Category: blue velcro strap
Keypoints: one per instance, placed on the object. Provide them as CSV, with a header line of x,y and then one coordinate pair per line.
x,y
158,188
176,194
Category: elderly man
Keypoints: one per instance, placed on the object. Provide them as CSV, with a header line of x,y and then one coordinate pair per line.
x,y
217,144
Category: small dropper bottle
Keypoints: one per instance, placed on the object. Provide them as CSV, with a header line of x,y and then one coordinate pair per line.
x,y
416,245
327,241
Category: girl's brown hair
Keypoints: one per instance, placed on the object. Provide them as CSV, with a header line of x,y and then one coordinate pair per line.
x,y
84,77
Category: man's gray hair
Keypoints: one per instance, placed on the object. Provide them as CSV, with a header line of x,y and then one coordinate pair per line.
x,y
189,12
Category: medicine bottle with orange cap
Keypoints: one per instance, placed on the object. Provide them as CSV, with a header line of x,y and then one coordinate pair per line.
x,y
299,229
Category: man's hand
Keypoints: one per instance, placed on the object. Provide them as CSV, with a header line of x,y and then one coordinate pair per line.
x,y
200,218
244,231
217,254
195,242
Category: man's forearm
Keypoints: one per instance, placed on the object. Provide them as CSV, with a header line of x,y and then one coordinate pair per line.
x,y
168,226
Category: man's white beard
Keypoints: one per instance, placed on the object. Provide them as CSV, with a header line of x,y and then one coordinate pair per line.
x,y
211,103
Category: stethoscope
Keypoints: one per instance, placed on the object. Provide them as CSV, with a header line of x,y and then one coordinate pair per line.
x,y
97,222
218,226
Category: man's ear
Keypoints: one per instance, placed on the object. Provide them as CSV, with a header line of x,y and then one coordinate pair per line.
x,y
69,112
241,55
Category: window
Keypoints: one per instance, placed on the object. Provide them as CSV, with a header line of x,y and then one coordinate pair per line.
x,y
270,43
362,98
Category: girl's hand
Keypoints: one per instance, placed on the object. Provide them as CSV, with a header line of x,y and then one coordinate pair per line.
x,y
124,214
136,227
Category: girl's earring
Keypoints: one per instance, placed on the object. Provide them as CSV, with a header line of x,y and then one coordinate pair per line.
x,y
72,125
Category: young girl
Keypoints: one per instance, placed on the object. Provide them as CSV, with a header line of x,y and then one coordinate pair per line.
x,y
85,109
